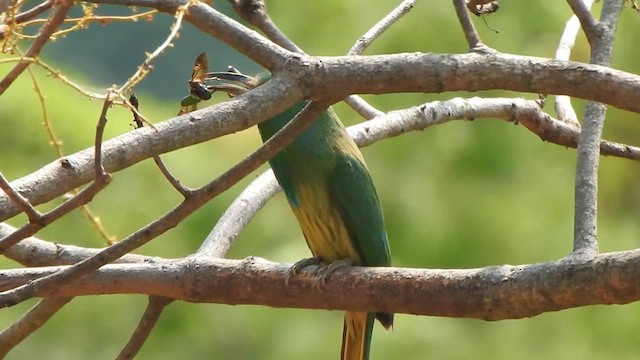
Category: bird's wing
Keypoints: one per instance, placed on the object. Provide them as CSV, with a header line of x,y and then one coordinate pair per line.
x,y
352,190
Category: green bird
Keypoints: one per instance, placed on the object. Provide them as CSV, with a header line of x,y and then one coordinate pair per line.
x,y
330,191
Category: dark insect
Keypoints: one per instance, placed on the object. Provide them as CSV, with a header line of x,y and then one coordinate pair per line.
x,y
482,7
136,118
197,89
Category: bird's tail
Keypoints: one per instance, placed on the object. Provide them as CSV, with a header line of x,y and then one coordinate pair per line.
x,y
356,335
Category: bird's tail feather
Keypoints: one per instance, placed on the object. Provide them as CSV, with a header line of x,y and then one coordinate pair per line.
x,y
356,335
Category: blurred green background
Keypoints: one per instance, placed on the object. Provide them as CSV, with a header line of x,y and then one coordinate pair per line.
x,y
460,195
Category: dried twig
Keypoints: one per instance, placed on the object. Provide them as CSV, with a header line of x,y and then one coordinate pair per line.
x,y
57,17
139,121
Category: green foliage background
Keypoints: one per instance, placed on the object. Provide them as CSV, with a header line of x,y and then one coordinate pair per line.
x,y
460,195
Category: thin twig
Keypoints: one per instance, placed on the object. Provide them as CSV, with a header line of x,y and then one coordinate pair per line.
x,y
255,13
56,18
589,24
30,322
33,12
383,25
134,104
145,326
183,190
57,145
563,107
144,69
585,237
357,103
56,74
23,203
470,33
100,18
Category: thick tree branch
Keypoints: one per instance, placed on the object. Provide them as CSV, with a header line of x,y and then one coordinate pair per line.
x,y
491,293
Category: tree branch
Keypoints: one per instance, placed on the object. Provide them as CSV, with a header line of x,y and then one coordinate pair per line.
x,y
490,293
392,73
563,107
585,237
588,22
35,252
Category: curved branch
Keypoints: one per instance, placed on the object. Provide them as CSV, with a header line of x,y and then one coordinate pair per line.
x,y
490,293
35,252
239,214
335,76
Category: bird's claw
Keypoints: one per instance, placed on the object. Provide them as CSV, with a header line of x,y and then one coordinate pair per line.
x,y
323,272
294,270
327,271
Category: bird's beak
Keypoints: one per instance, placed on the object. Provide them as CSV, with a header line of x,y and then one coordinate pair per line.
x,y
233,83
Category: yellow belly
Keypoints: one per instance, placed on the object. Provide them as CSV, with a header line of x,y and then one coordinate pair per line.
x,y
323,227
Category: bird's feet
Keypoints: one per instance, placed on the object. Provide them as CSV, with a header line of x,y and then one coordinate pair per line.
x,y
323,272
326,271
299,265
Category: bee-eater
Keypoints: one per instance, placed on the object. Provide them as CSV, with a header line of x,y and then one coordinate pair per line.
x,y
330,191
